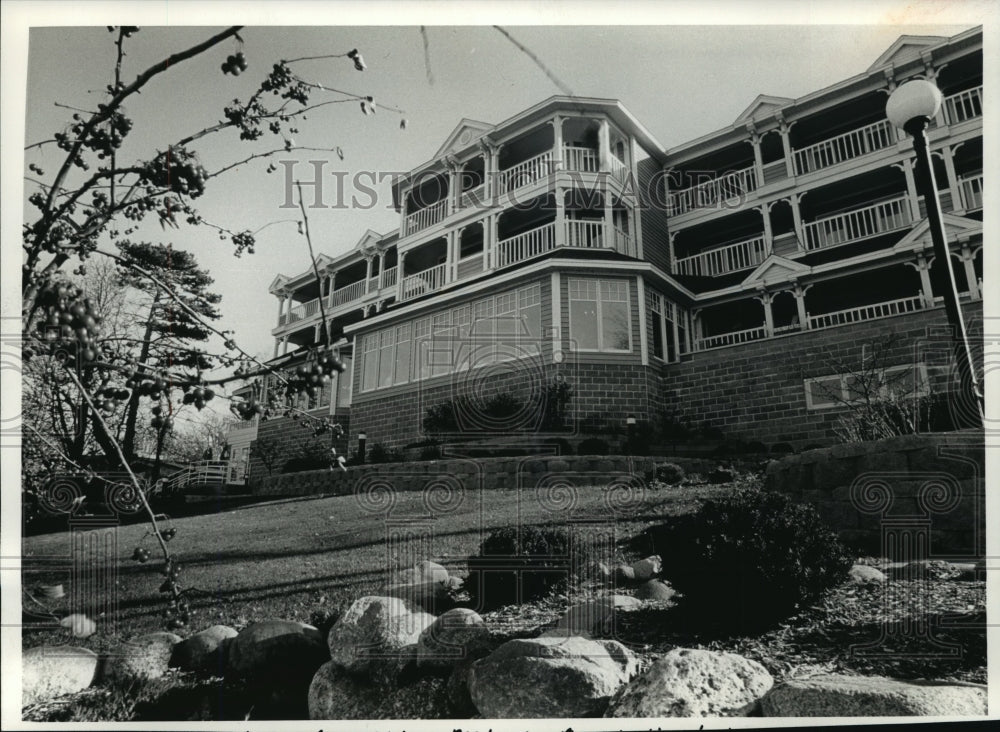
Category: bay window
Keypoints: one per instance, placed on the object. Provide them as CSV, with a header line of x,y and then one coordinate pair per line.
x,y
599,317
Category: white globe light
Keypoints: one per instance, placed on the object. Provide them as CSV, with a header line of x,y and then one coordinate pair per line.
x,y
917,98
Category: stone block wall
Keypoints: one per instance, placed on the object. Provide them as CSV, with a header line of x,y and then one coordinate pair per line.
x,y
755,391
289,437
931,485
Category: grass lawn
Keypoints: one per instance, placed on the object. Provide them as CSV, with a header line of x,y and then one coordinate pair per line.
x,y
290,558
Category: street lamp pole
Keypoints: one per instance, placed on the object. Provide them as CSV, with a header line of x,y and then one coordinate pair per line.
x,y
911,106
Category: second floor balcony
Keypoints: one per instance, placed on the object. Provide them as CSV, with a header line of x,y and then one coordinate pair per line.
x,y
741,255
857,224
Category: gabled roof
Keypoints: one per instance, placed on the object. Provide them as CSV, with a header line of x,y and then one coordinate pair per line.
x,y
775,269
368,240
764,104
919,236
467,131
905,48
276,283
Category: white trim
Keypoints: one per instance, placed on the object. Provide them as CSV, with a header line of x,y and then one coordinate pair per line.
x,y
556,284
643,341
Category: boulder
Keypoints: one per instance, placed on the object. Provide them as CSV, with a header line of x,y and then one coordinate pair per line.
x,y
50,671
423,572
374,627
550,677
80,625
431,597
336,694
624,575
646,569
204,651
594,617
861,573
458,635
694,683
657,590
143,658
837,695
281,651
456,692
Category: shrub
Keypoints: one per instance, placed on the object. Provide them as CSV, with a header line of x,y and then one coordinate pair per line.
x,y
732,447
781,448
381,454
747,560
757,448
710,432
312,456
533,558
722,475
670,473
592,446
431,451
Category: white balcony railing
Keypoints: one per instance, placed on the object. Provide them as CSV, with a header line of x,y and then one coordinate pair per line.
x,y
581,159
387,278
730,258
525,173
731,339
850,145
867,312
964,105
729,187
972,192
525,245
625,244
585,234
472,197
425,217
430,280
618,169
861,223
351,292
470,266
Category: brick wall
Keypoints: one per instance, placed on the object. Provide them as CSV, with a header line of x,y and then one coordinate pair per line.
x,y
755,391
289,437
931,483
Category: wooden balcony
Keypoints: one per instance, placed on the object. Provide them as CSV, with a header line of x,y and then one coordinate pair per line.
x,y
730,258
848,146
581,159
857,224
387,278
866,312
730,339
964,105
425,217
350,293
421,283
714,193
971,189
526,245
526,173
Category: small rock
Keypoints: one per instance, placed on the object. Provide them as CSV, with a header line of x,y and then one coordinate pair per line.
x,y
594,617
432,597
146,657
694,683
422,572
861,573
281,651
624,575
204,651
458,635
50,671
657,590
374,626
646,569
80,625
837,695
550,677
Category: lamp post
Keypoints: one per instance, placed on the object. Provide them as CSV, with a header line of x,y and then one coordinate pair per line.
x,y
911,107
362,441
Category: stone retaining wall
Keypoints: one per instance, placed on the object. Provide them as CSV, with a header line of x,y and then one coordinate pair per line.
x,y
503,473
930,485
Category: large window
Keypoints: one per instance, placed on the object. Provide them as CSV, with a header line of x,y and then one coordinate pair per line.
x,y
599,318
837,390
501,327
666,325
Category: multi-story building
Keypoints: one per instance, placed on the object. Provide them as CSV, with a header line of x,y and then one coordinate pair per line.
x,y
722,279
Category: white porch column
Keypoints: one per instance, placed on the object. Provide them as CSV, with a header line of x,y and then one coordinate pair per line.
x,y
401,261
381,269
968,262
277,343
765,299
604,146
688,332
284,345
368,272
673,257
911,189
557,143
800,232
765,212
786,144
609,220
451,199
281,308
949,168
923,269
800,304
451,255
696,327
758,158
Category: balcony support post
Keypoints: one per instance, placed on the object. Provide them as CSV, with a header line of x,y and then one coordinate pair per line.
x,y
670,245
381,268
786,144
758,158
284,345
923,269
764,297
281,307
970,272
911,188
559,235
800,304
368,272
800,233
604,146
609,220
557,143
451,255
949,169
400,275
765,212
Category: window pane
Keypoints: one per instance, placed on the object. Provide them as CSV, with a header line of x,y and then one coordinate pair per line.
x,y
344,384
402,370
387,360
421,349
671,345
531,329
370,363
583,324
656,323
615,326
461,318
825,392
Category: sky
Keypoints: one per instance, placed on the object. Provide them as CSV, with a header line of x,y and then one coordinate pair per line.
x,y
680,81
